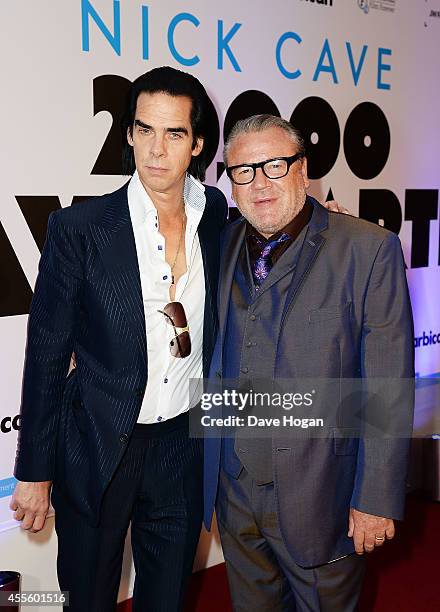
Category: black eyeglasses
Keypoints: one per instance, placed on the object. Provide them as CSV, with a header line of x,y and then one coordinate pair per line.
x,y
180,345
272,168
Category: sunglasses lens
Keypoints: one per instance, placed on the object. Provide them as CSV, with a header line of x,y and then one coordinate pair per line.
x,y
177,314
180,346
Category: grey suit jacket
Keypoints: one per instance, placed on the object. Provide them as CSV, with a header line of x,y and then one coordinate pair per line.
x,y
347,315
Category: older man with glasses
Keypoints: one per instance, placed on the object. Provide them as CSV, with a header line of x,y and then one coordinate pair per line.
x,y
306,297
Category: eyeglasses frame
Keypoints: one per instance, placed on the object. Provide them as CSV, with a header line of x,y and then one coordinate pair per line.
x,y
291,159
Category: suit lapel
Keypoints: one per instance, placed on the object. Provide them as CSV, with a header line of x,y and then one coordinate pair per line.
x,y
208,256
114,239
313,243
209,251
230,250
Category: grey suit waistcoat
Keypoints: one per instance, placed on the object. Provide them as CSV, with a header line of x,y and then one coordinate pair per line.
x,y
251,338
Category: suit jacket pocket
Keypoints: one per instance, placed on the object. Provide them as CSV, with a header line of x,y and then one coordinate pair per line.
x,y
324,328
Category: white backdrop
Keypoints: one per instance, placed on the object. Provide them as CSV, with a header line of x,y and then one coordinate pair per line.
x,y
345,52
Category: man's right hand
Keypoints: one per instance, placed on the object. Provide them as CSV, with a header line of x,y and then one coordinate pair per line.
x,y
30,501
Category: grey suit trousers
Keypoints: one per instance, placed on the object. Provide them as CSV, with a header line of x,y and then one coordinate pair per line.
x,y
261,572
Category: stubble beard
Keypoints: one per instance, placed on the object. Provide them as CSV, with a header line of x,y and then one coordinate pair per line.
x,y
269,230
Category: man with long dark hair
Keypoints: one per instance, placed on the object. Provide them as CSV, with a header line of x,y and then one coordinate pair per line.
x,y
127,282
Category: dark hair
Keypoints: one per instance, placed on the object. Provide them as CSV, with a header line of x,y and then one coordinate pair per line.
x,y
203,115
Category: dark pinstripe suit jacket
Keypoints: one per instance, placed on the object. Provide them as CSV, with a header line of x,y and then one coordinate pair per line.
x,y
88,300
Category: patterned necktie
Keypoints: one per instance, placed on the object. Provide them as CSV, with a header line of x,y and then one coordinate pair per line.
x,y
263,264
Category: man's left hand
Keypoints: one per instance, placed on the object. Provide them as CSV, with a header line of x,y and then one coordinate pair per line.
x,y
334,206
368,530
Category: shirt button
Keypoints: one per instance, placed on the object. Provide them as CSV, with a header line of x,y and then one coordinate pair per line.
x,y
159,418
165,380
123,438
252,317
159,247
249,344
164,277
245,370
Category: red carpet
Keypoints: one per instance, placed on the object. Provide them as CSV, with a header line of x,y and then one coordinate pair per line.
x,y
404,576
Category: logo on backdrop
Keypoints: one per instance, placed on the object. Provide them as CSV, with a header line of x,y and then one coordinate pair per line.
x,y
7,486
388,6
8,424
433,14
321,2
427,339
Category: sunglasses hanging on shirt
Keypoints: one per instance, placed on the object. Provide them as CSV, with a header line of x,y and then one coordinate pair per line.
x,y
180,345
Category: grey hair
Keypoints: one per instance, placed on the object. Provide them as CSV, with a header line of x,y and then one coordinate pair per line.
x,y
259,123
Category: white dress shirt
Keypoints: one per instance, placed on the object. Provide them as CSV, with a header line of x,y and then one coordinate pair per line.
x,y
168,390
